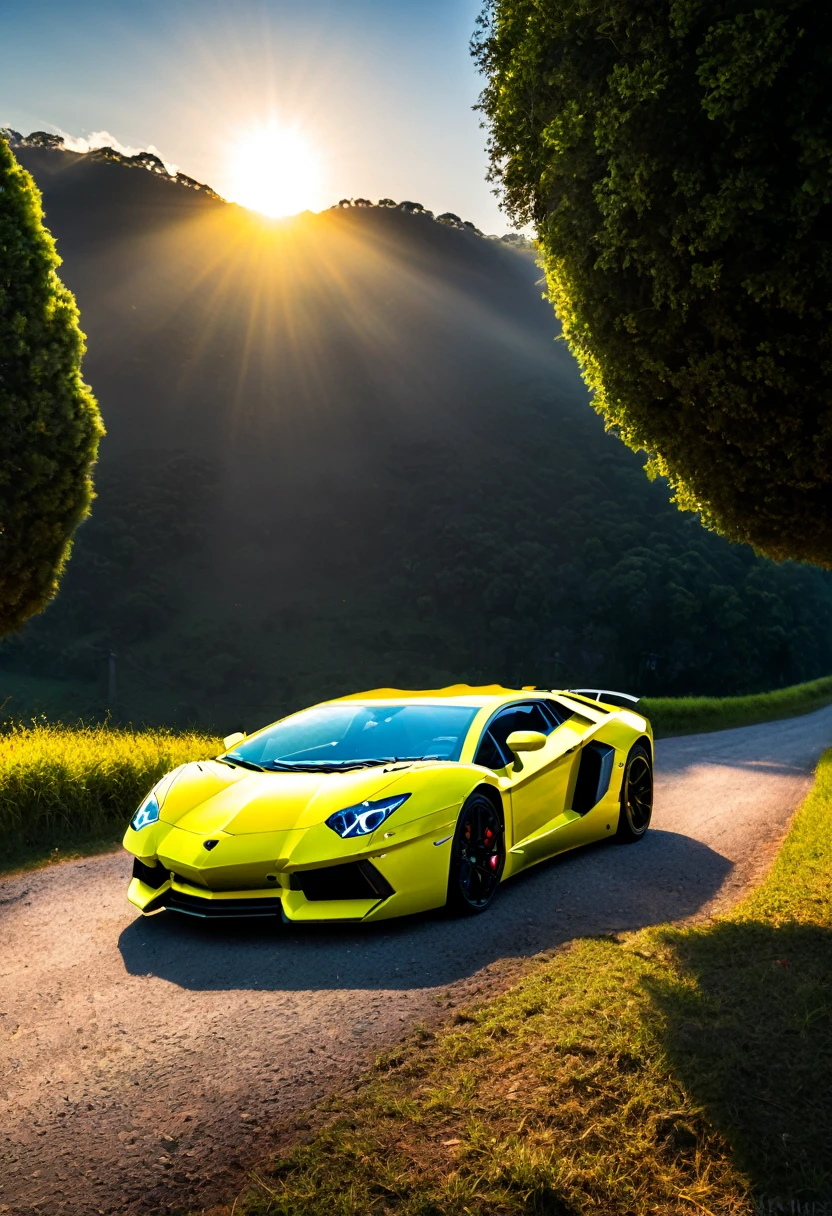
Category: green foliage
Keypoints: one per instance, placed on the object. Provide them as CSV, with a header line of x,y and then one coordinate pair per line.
x,y
692,715
49,422
66,786
676,160
660,1073
508,574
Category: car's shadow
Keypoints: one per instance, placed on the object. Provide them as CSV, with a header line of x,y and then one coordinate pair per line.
x,y
602,889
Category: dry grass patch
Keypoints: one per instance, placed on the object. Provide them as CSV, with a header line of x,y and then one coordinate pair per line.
x,y
556,1098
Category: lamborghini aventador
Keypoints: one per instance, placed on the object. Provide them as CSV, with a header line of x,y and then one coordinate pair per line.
x,y
387,803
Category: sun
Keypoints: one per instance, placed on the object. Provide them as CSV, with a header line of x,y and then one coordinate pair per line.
x,y
275,170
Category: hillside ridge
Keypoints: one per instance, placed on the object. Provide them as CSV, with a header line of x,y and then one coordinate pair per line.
x,y
153,163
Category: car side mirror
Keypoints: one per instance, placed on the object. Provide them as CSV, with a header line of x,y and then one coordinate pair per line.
x,y
232,740
526,741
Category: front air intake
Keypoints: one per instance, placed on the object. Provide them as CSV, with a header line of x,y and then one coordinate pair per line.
x,y
152,876
355,880
219,909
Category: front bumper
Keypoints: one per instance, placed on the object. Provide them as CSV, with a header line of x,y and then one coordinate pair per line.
x,y
345,892
408,876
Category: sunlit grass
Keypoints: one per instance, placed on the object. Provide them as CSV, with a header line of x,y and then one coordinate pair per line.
x,y
665,1072
691,715
66,787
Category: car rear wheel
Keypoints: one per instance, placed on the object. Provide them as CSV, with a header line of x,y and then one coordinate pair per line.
x,y
478,856
636,796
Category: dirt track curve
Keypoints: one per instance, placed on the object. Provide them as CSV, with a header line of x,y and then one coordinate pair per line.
x,y
142,1062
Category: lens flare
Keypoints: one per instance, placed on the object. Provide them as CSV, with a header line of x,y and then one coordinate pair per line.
x,y
276,171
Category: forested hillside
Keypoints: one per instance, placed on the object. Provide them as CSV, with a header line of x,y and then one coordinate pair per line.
x,y
346,451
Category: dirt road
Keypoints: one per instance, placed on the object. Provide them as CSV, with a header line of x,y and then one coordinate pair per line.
x,y
142,1061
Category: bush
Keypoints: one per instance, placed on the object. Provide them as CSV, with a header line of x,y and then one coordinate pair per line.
x,y
676,161
49,421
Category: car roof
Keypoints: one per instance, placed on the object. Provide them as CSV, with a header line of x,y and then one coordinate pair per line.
x,y
454,694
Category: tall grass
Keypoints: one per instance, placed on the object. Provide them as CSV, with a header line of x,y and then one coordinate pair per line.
x,y
64,785
692,715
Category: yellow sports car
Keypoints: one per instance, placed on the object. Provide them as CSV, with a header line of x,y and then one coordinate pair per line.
x,y
388,802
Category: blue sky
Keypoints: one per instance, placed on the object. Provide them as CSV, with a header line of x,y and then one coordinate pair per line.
x,y
382,89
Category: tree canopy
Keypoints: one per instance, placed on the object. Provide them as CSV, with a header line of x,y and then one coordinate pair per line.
x,y
676,160
591,578
49,421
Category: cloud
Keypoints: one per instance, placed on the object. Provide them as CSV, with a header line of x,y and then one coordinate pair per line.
x,y
103,139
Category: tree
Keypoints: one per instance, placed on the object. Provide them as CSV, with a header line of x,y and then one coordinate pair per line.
x,y
677,162
49,421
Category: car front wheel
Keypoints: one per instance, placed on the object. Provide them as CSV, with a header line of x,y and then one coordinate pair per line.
x,y
478,856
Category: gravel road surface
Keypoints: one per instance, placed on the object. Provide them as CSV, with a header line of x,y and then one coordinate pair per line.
x,y
143,1062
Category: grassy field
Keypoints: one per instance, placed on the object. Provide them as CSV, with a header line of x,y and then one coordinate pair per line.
x,y
674,1070
65,790
692,715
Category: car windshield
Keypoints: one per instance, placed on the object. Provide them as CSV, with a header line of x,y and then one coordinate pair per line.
x,y
350,734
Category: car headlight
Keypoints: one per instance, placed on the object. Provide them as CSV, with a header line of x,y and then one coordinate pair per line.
x,y
365,817
147,813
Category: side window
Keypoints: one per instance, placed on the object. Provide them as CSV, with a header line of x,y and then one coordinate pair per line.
x,y
521,717
489,754
492,751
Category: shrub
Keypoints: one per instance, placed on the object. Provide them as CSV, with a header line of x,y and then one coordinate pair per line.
x,y
49,421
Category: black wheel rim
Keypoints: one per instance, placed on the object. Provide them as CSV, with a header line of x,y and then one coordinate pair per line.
x,y
639,793
480,854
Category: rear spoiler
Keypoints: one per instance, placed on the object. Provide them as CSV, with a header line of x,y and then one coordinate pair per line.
x,y
624,700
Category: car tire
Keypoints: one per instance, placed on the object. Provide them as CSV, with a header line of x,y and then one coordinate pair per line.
x,y
636,796
478,856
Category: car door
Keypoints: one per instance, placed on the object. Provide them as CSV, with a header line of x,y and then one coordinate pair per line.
x,y
539,782
587,812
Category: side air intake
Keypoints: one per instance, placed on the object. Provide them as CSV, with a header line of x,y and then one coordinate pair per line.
x,y
594,775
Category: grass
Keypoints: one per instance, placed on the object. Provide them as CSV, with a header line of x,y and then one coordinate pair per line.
x,y
673,1070
692,715
66,790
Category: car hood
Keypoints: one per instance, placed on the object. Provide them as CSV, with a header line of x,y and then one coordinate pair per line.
x,y
208,797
